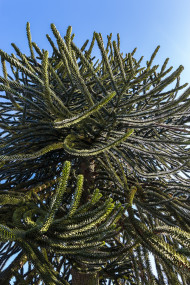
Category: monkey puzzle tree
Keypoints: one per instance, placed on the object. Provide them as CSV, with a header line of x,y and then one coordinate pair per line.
x,y
94,167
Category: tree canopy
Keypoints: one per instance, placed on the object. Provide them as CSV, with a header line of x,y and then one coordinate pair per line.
x,y
94,166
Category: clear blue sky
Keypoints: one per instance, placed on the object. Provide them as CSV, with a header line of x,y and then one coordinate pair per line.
x,y
141,23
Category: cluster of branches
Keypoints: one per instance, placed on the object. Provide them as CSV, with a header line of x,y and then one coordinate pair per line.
x,y
94,165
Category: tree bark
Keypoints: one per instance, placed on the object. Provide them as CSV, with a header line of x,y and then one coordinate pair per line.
x,y
84,278
87,168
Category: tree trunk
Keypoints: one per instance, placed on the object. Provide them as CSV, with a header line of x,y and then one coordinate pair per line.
x,y
87,168
84,278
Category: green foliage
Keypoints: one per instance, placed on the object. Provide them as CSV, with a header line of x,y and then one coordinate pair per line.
x,y
94,165
72,234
